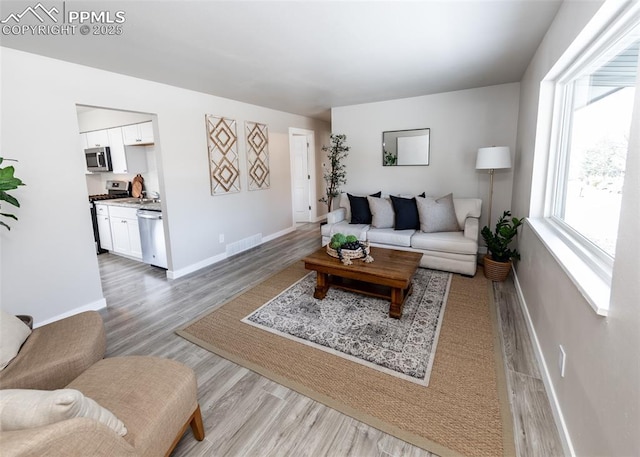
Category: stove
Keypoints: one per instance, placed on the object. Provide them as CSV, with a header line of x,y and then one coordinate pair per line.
x,y
115,189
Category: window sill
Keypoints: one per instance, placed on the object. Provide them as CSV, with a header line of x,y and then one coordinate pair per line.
x,y
591,285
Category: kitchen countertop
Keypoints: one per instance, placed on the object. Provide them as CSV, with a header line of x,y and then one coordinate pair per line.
x,y
132,203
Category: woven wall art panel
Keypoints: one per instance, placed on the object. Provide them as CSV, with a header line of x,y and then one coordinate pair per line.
x,y
222,143
257,155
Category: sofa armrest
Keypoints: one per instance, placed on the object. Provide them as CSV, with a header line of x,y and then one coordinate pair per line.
x,y
471,225
78,436
337,215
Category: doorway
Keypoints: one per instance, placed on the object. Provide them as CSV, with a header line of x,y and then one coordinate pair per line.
x,y
302,153
129,143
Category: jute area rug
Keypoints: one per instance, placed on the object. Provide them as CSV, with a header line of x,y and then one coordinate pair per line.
x,y
463,411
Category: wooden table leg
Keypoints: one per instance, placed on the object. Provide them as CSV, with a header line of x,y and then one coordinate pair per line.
x,y
322,286
398,296
397,300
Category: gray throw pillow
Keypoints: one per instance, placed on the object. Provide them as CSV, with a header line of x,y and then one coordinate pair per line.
x,y
382,212
437,214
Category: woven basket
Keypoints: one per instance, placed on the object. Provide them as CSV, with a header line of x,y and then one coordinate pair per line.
x,y
496,271
349,254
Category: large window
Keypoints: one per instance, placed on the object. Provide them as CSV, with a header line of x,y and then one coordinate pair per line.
x,y
595,99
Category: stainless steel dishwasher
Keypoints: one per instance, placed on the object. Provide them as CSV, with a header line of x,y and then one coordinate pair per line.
x,y
154,250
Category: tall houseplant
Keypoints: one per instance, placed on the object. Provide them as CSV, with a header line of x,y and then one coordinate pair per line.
x,y
497,262
335,174
8,182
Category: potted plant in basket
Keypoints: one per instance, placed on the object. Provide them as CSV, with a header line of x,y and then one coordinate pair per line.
x,y
497,261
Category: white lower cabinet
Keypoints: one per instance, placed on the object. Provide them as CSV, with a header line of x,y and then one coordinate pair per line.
x,y
124,231
104,227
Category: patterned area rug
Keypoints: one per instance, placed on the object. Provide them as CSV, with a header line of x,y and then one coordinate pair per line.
x,y
359,328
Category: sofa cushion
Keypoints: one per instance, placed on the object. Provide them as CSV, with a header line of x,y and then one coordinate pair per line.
x,y
27,408
13,332
390,236
381,212
454,242
406,213
360,212
437,214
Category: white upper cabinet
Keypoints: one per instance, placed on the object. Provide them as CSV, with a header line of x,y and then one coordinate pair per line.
x,y
123,160
97,139
138,134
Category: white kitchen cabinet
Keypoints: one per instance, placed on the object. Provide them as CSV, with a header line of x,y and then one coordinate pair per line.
x,y
125,160
138,134
97,139
125,232
104,227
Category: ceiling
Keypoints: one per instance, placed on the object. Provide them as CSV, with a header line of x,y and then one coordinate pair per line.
x,y
306,57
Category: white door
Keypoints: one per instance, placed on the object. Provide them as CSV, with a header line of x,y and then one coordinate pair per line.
x,y
301,177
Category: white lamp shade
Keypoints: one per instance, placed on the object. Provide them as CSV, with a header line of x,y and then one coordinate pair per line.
x,y
493,158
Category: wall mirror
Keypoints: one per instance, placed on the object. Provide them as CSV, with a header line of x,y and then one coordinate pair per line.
x,y
405,147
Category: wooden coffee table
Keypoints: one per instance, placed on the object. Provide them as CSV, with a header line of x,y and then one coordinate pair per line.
x,y
388,276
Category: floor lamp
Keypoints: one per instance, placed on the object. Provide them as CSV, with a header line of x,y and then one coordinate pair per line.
x,y
493,158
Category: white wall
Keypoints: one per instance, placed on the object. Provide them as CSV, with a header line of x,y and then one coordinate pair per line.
x,y
599,397
460,123
48,264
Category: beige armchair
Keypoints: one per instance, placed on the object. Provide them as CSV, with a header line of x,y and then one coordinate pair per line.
x,y
155,398
55,354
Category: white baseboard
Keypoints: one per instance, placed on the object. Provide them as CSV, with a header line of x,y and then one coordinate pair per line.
x,y
561,425
284,232
175,274
95,306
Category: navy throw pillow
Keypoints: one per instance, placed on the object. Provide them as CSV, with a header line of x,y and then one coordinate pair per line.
x,y
360,211
406,213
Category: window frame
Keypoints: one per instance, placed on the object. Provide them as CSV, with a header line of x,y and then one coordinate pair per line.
x,y
561,131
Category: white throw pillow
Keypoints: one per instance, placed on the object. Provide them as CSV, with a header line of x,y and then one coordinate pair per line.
x,y
437,214
27,408
13,333
381,211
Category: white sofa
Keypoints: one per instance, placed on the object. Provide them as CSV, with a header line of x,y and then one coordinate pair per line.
x,y
454,251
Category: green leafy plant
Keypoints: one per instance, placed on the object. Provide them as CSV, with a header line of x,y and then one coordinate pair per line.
x,y
8,182
335,174
389,158
498,241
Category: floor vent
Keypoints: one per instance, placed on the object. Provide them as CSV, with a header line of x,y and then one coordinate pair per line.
x,y
244,244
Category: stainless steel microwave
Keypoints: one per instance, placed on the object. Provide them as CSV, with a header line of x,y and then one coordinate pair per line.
x,y
98,159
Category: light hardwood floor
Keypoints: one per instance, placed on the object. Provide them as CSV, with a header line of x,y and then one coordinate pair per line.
x,y
246,414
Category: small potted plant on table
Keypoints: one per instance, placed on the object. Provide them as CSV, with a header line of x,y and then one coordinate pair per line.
x,y
498,260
